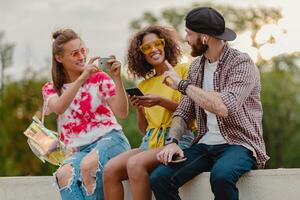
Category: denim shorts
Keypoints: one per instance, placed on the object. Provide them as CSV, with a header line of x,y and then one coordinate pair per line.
x,y
107,147
184,142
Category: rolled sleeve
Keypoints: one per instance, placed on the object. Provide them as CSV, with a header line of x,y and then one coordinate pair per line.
x,y
229,101
48,92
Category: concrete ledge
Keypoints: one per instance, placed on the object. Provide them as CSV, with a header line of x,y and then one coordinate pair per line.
x,y
259,185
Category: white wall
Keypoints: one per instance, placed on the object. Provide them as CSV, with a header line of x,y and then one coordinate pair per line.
x,y
278,184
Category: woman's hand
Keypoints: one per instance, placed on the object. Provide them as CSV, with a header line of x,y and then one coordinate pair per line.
x,y
115,69
134,100
149,100
89,69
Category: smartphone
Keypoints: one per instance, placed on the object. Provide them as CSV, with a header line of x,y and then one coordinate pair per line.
x,y
134,92
103,64
178,159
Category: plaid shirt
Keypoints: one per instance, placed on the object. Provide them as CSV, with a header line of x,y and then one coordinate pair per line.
x,y
238,82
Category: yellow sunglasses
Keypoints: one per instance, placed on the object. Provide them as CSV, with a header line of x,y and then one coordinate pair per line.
x,y
158,44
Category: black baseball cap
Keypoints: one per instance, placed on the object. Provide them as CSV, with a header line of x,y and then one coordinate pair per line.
x,y
209,21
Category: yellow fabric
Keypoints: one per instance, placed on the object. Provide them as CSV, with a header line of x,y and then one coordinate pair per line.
x,y
157,116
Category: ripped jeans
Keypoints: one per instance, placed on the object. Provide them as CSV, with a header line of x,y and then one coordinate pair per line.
x,y
109,146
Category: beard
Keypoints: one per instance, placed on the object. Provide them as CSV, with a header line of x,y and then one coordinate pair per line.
x,y
199,48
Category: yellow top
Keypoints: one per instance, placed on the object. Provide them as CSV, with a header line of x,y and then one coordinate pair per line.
x,y
157,116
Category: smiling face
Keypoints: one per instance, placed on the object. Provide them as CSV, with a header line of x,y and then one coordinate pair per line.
x,y
156,54
73,57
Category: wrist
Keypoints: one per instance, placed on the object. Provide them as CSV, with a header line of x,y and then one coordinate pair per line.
x,y
116,76
140,109
182,86
118,81
159,101
171,140
80,80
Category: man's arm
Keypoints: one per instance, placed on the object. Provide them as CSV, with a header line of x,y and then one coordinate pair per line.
x,y
178,127
210,101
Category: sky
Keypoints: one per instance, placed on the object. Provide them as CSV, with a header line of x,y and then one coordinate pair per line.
x,y
104,26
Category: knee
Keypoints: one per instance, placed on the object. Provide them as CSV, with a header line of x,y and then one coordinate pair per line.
x,y
157,176
88,168
64,175
111,170
134,167
222,179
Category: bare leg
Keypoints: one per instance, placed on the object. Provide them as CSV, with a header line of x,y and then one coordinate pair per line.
x,y
114,173
63,175
88,168
138,168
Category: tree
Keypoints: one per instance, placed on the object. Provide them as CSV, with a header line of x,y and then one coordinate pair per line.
x,y
281,104
20,102
6,57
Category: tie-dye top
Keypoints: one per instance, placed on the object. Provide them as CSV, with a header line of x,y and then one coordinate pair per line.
x,y
88,117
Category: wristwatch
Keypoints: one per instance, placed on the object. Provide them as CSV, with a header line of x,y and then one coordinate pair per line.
x,y
172,140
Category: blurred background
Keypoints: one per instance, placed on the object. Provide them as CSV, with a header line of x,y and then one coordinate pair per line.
x,y
268,30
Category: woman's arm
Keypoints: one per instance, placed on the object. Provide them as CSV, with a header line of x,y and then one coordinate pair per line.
x,y
140,114
59,104
141,119
119,102
150,100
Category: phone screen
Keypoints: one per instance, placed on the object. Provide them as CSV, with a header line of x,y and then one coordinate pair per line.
x,y
134,92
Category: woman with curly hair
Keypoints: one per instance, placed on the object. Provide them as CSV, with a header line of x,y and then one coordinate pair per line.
x,y
151,51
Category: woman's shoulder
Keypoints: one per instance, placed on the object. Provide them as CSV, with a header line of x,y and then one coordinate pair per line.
x,y
48,87
48,90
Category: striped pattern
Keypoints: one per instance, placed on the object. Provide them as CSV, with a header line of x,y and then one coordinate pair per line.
x,y
238,82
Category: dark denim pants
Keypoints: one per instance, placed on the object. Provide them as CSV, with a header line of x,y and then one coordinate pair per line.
x,y
226,162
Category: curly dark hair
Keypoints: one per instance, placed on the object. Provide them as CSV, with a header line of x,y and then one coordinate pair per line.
x,y
137,64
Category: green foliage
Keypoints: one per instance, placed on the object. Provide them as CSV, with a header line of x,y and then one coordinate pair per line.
x,y
20,102
6,58
281,104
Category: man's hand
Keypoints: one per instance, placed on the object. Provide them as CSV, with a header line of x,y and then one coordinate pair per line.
x,y
170,77
165,155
